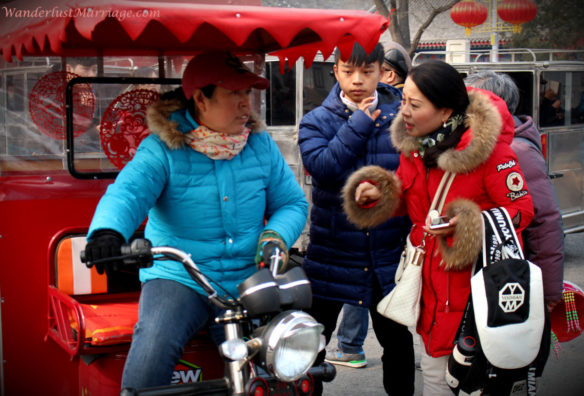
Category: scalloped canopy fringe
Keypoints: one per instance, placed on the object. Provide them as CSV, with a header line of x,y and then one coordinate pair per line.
x,y
169,28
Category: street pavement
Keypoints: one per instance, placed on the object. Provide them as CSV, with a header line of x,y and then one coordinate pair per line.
x,y
563,375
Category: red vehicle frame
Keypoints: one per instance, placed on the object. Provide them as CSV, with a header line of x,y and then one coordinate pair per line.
x,y
41,202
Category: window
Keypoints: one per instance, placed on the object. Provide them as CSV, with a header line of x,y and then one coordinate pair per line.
x,y
318,81
561,98
32,122
577,98
524,82
281,95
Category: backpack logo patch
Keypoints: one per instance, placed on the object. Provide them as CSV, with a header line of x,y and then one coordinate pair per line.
x,y
511,297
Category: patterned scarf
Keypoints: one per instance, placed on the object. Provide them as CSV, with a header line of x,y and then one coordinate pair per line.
x,y
216,145
430,140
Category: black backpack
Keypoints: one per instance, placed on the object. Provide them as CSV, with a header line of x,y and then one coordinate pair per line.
x,y
503,340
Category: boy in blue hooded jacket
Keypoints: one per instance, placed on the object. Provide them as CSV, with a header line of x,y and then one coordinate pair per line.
x,y
344,264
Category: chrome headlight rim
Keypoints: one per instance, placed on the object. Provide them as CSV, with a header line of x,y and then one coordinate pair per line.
x,y
284,330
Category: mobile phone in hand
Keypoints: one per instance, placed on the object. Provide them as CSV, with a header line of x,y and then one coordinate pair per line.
x,y
440,222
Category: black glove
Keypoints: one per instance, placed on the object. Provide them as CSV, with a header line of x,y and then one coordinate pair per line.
x,y
104,244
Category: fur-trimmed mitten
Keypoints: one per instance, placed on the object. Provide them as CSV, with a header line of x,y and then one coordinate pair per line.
x,y
372,216
467,238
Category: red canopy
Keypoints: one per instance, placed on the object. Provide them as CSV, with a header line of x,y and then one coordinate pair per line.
x,y
126,27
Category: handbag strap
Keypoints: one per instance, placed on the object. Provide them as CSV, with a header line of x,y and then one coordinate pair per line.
x,y
439,197
442,191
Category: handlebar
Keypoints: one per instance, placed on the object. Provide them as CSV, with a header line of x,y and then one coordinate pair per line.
x,y
189,264
141,252
274,253
275,259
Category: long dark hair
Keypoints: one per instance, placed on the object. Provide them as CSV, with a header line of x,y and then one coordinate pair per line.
x,y
444,87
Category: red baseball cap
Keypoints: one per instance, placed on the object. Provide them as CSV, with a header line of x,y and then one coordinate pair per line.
x,y
221,69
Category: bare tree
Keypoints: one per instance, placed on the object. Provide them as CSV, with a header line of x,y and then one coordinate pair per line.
x,y
553,26
398,13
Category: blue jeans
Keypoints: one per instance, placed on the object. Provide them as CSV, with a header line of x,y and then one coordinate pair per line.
x,y
169,315
353,328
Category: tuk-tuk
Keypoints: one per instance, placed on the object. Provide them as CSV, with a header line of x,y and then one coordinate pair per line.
x,y
543,77
75,82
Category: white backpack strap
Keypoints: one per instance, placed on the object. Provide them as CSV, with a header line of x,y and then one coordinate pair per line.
x,y
500,236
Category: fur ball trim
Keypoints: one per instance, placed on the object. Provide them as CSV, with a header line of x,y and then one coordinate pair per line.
x,y
485,122
159,124
468,235
390,187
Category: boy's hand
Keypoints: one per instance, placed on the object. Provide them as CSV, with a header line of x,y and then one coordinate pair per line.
x,y
364,107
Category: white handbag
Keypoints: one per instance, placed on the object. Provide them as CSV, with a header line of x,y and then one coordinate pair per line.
x,y
402,304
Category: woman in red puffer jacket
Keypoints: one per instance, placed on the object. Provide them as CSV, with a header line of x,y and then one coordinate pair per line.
x,y
443,127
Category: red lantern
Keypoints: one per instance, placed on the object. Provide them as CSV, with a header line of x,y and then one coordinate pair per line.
x,y
517,12
469,14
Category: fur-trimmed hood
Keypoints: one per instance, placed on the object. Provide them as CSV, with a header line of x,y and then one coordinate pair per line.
x,y
488,122
167,130
486,125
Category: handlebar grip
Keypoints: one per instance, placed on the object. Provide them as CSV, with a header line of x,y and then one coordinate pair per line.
x,y
137,246
138,252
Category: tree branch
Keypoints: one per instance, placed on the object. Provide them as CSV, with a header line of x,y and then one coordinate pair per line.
x,y
382,8
394,25
427,23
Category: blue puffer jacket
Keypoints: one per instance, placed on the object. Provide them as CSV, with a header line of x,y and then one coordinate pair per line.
x,y
342,261
213,209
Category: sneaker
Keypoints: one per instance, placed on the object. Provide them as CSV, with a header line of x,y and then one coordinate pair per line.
x,y
355,360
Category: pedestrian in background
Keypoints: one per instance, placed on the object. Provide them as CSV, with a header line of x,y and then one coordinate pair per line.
x,y
396,65
543,239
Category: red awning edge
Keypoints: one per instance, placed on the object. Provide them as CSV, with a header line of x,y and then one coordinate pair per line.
x,y
131,27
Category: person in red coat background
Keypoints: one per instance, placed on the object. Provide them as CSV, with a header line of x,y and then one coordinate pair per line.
x,y
543,239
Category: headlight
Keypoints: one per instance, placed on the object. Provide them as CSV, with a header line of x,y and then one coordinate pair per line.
x,y
234,349
290,344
